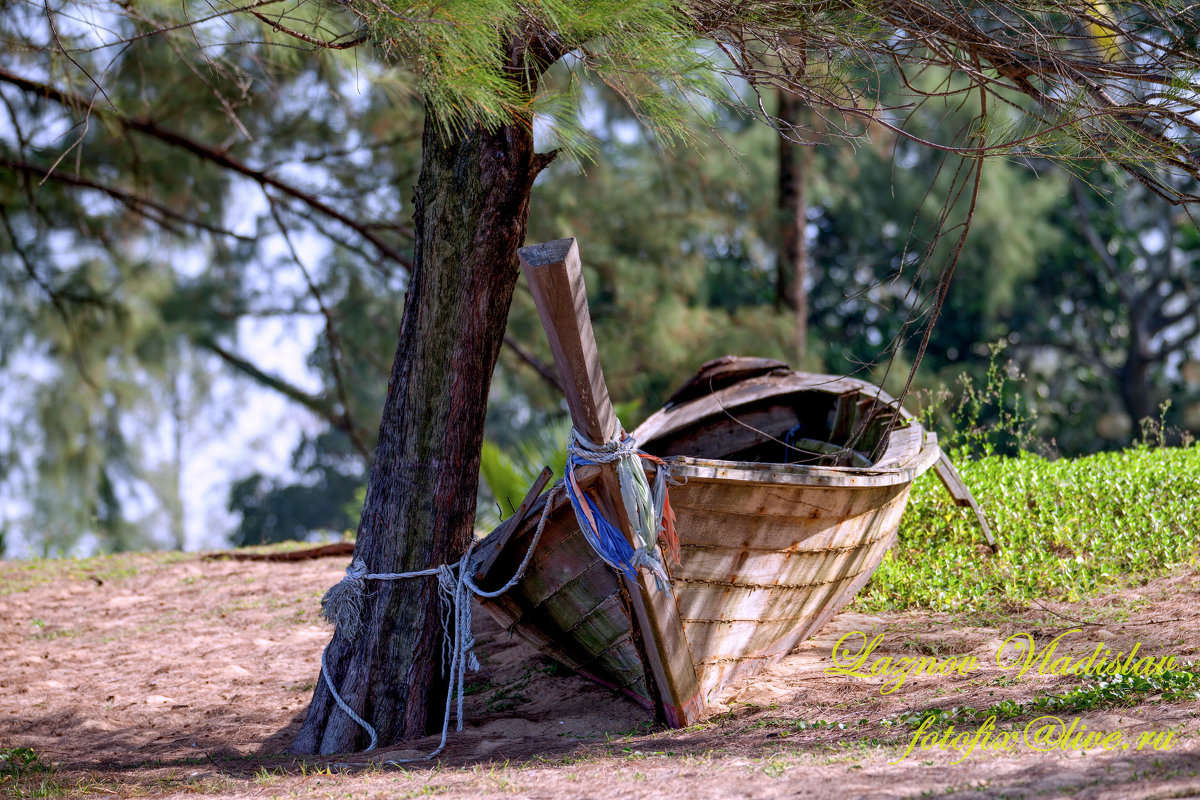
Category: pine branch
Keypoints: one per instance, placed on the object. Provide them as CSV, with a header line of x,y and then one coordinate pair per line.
x,y
1182,340
134,202
56,299
1110,265
335,348
149,127
544,372
311,39
313,403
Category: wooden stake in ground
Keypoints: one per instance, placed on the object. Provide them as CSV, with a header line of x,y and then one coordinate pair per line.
x,y
555,277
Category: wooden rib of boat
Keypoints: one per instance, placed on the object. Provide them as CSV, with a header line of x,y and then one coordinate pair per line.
x,y
791,488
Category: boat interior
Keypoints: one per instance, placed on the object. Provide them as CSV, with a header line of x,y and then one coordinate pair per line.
x,y
815,428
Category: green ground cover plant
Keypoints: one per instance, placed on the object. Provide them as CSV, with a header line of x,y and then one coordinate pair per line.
x,y
1068,529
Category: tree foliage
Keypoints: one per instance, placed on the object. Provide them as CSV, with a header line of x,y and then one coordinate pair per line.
x,y
169,175
1052,80
174,171
1109,324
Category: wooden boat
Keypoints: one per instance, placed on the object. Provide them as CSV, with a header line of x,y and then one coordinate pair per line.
x,y
791,488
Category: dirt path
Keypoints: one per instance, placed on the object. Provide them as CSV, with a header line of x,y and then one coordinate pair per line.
x,y
170,675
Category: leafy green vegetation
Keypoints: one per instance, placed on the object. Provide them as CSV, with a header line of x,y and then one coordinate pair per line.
x,y
23,773
127,340
17,760
1067,529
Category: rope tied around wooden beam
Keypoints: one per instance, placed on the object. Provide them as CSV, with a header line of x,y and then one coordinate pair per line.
x,y
648,508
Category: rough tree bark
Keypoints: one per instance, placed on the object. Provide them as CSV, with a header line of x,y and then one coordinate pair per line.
x,y
795,162
470,213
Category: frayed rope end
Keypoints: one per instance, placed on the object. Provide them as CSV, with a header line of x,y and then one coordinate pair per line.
x,y
342,604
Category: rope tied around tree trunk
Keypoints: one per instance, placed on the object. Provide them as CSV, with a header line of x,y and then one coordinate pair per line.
x,y
649,512
342,606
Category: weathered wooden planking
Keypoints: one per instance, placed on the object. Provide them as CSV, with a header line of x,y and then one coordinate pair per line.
x,y
721,436
770,551
744,602
576,599
814,452
759,518
555,277
775,594
774,511
731,621
670,420
568,604
599,642
845,415
714,675
740,569
948,474
721,372
903,445
622,662
718,606
843,598
726,640
769,646
538,625
621,669
618,666
706,602
565,560
790,475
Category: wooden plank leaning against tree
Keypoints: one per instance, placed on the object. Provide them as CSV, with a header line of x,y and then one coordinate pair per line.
x,y
555,276
1119,78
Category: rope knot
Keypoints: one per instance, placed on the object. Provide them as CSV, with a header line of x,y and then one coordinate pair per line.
x,y
647,506
342,604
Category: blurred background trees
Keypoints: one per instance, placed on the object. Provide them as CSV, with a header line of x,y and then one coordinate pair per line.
x,y
156,272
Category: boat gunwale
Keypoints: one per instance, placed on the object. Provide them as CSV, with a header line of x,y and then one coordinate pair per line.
x,y
910,451
664,420
913,458
769,473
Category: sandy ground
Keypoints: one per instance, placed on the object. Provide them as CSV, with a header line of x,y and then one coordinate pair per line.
x,y
169,676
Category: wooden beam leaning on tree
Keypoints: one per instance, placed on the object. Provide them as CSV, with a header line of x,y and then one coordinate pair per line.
x,y
555,275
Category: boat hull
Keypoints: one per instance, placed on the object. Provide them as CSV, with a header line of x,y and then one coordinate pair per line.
x,y
769,551
752,585
569,604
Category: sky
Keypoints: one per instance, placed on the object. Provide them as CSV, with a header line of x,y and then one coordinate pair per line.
x,y
264,429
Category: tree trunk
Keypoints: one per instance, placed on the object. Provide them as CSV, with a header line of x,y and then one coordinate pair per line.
x,y
1134,380
470,213
794,163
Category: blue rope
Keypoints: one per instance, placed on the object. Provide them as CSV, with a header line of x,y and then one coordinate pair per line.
x,y
607,540
643,504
